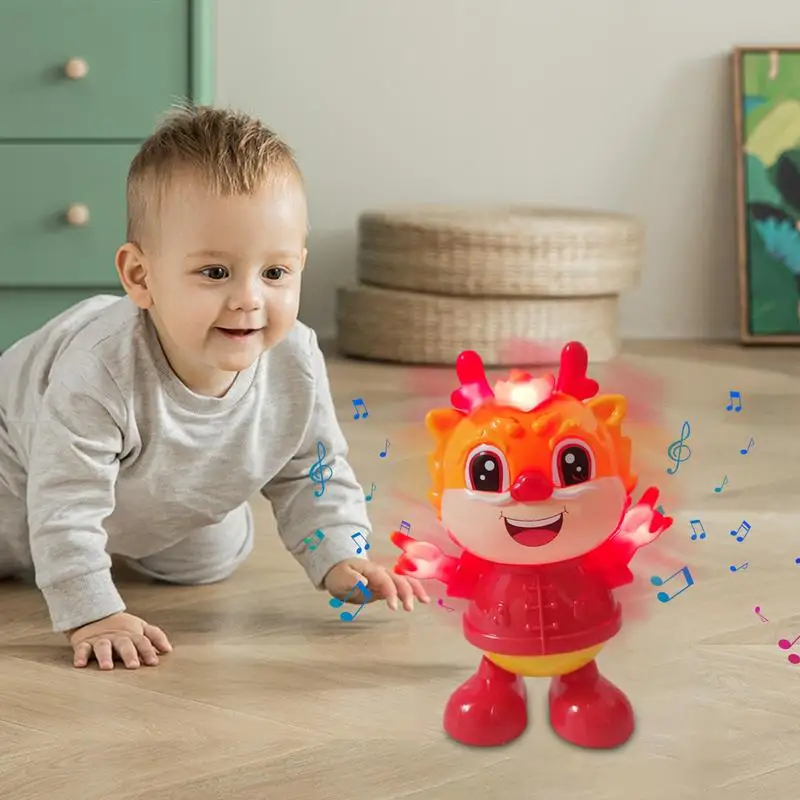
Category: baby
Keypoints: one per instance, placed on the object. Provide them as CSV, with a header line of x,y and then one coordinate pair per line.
x,y
140,426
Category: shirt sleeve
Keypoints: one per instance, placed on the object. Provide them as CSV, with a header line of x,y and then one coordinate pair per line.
x,y
72,474
340,512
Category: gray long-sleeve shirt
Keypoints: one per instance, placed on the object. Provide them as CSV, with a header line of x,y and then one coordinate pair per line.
x,y
115,455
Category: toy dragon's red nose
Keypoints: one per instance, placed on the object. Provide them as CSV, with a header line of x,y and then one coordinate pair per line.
x,y
532,486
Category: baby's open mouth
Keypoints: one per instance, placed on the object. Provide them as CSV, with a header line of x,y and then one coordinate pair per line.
x,y
534,532
238,333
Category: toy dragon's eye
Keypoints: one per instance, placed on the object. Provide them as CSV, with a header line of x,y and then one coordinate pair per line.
x,y
573,463
487,470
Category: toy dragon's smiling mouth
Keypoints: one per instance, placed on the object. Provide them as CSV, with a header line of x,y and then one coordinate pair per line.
x,y
534,532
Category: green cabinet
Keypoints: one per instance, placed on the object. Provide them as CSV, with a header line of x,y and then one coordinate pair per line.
x,y
43,186
83,83
127,59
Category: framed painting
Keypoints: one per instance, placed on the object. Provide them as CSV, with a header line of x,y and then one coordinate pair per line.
x,y
767,121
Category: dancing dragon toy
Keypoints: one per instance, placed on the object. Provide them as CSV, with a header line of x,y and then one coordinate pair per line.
x,y
533,484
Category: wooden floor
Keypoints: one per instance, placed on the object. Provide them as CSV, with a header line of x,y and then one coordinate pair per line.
x,y
269,695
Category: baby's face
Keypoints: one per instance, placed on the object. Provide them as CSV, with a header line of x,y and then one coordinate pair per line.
x,y
224,277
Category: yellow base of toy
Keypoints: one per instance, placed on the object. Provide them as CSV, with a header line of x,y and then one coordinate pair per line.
x,y
545,666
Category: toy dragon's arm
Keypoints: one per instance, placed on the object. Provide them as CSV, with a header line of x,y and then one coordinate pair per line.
x,y
640,525
426,561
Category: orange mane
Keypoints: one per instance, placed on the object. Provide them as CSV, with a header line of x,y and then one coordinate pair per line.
x,y
526,417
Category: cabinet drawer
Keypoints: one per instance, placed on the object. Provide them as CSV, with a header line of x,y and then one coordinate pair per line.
x,y
40,182
22,311
138,58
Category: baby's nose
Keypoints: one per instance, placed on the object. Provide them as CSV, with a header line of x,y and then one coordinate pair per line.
x,y
532,486
247,298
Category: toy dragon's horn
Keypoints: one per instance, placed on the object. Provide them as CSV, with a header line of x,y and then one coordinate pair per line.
x,y
475,389
572,378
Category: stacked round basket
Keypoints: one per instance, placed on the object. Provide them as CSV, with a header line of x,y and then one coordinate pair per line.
x,y
436,280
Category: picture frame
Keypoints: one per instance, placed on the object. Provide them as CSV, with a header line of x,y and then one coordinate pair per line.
x,y
766,103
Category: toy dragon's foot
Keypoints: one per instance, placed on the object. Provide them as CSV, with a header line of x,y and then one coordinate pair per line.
x,y
588,710
489,709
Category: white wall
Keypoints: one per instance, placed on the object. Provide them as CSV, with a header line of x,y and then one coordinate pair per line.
x,y
619,104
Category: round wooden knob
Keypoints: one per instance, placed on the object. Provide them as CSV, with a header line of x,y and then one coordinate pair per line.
x,y
78,214
76,68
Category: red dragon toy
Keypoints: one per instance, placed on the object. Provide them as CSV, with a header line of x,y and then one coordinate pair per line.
x,y
533,484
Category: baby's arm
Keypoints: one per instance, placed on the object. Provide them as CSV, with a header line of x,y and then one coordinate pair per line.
x,y
73,469
72,473
340,512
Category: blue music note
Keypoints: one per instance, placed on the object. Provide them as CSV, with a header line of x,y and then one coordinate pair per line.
x,y
735,396
346,616
359,414
739,537
320,471
675,450
663,597
695,533
312,545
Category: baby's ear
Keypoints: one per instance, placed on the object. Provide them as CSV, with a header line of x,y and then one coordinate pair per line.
x,y
609,409
441,420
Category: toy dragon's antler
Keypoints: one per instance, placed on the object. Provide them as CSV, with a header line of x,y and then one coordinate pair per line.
x,y
572,378
475,389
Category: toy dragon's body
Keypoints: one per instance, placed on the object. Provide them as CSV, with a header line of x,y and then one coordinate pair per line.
x,y
532,481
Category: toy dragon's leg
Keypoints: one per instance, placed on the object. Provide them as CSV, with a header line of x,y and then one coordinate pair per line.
x,y
588,710
489,709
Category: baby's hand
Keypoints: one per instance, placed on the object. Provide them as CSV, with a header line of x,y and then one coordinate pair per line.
x,y
383,585
121,634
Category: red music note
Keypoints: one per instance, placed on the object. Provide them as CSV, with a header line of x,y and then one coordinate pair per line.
x,y
785,644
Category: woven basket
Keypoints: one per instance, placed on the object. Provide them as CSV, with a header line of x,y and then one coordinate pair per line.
x,y
500,252
415,328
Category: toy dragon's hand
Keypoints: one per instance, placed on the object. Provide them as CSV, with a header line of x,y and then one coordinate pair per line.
x,y
642,523
419,559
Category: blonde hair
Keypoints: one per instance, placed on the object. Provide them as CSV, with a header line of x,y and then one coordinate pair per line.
x,y
232,152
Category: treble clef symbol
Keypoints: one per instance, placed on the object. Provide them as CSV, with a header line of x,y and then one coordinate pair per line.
x,y
320,472
676,449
